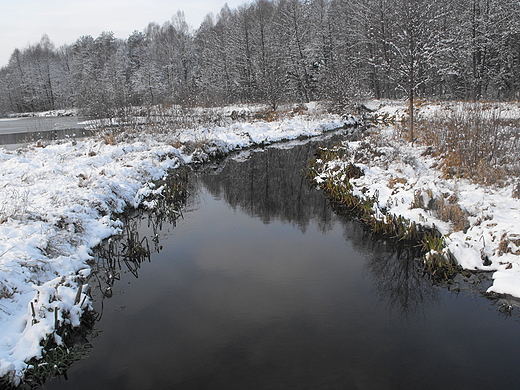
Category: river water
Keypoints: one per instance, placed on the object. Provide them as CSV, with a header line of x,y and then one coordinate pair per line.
x,y
14,131
260,285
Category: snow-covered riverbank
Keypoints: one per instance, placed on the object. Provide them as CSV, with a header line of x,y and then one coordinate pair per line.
x,y
480,224
61,200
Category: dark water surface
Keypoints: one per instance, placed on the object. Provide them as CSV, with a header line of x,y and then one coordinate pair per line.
x,y
261,286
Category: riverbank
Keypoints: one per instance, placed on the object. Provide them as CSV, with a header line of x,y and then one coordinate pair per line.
x,y
59,200
415,192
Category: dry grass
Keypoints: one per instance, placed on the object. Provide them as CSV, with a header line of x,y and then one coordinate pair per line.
x,y
396,181
6,292
474,143
14,204
109,138
446,208
450,211
509,243
516,191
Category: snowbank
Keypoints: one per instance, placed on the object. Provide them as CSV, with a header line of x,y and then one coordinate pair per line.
x,y
57,203
60,201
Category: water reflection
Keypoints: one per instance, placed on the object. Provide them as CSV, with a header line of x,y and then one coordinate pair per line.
x,y
212,313
271,185
140,237
400,280
124,253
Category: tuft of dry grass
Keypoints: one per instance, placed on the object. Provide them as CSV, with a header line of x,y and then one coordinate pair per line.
x,y
446,208
109,139
395,181
450,211
509,243
14,204
6,292
516,191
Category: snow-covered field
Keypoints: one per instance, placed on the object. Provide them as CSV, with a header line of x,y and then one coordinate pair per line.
x,y
61,200
399,109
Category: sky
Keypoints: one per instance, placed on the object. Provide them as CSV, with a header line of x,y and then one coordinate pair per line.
x,y
23,22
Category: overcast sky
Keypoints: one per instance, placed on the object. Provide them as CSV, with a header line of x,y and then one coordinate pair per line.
x,y
23,22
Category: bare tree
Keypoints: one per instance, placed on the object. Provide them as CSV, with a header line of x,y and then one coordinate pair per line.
x,y
271,51
413,49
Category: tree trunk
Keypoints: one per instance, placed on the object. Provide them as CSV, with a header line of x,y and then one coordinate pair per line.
x,y
410,108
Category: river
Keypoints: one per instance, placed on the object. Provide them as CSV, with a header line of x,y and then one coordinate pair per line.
x,y
260,285
15,131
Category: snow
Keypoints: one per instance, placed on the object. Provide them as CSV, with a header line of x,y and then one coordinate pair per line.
x,y
44,114
398,110
61,200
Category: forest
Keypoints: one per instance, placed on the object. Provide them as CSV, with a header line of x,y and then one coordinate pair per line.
x,y
275,51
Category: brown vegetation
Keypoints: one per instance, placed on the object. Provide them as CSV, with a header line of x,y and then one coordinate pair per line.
x,y
474,143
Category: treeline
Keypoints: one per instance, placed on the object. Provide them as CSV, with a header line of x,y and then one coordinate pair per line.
x,y
277,51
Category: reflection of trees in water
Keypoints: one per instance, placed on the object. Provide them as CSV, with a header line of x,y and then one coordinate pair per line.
x,y
396,268
126,252
399,276
271,184
398,271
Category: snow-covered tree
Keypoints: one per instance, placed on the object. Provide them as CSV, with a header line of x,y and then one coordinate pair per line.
x,y
271,51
